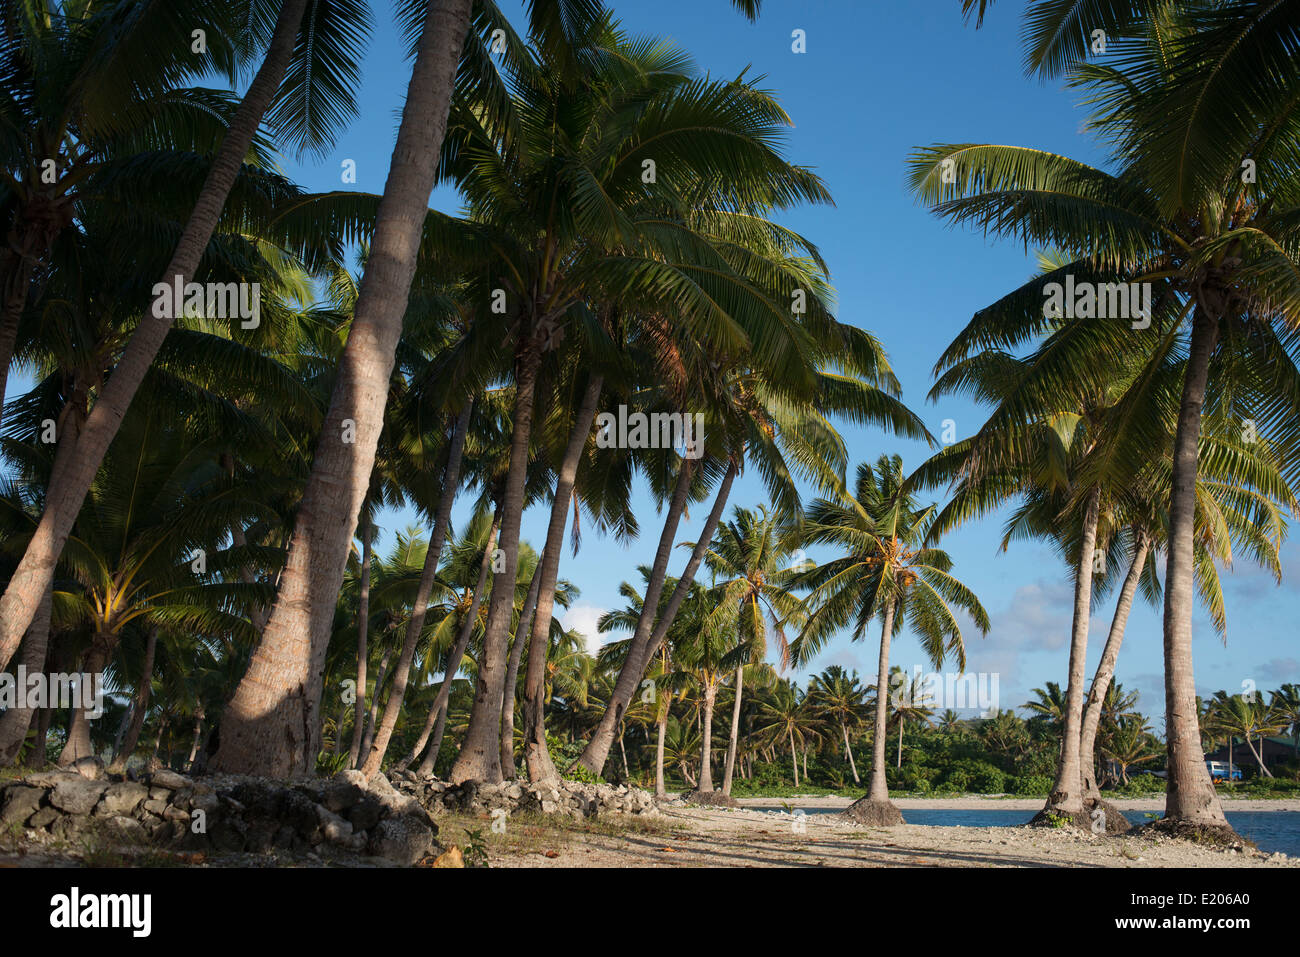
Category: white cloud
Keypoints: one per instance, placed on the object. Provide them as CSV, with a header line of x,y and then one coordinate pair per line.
x,y
582,618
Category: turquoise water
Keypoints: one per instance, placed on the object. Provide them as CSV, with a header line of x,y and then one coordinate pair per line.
x,y
1271,830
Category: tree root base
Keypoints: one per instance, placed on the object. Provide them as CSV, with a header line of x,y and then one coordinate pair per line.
x,y
874,813
1213,835
1113,822
711,798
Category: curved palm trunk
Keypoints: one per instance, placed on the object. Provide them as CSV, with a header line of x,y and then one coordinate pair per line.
x,y
480,752
140,707
522,630
538,756
1106,671
706,740
901,722
1190,797
97,657
363,651
596,752
196,740
437,719
629,677
420,610
878,787
271,724
734,738
1067,792
15,722
73,473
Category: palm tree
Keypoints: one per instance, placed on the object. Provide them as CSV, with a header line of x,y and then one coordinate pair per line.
x,y
1131,742
75,471
1248,716
886,571
748,561
1286,704
1223,271
785,720
838,698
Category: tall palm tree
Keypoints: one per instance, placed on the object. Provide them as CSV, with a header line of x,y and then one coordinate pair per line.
x,y
885,571
1177,213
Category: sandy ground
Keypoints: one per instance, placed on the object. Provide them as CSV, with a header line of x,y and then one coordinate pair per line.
x,y
749,837
975,802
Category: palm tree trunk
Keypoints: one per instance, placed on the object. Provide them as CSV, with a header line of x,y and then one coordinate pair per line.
x,y
538,756
270,726
1190,797
878,788
794,755
74,472
1258,755
629,677
198,736
152,763
372,713
15,722
141,706
848,750
420,610
1106,669
522,631
596,752
734,738
97,657
901,722
1067,792
706,741
480,752
660,791
363,634
438,712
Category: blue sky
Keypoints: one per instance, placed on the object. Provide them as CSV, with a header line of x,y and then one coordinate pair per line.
x,y
879,79
876,81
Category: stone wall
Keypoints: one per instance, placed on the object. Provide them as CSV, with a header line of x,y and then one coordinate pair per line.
x,y
342,818
219,814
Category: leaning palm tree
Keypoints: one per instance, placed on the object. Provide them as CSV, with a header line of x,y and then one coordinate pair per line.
x,y
1184,213
885,571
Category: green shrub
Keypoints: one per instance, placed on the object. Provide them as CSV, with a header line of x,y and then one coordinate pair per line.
x,y
1033,785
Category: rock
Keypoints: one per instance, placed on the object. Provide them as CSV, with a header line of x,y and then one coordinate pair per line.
x,y
382,790
342,793
20,802
365,814
158,808
92,769
44,818
77,795
451,857
403,839
124,830
160,794
121,799
169,779
173,813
